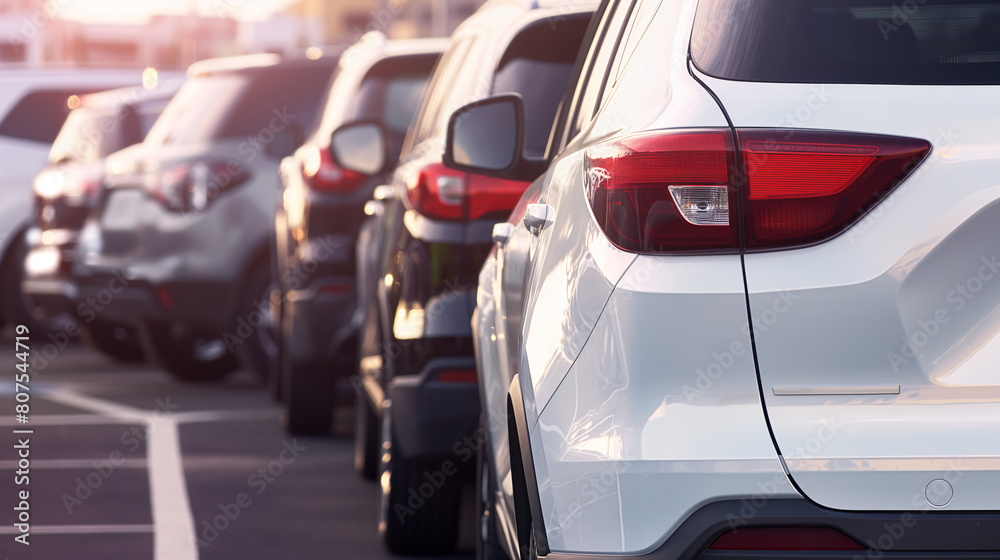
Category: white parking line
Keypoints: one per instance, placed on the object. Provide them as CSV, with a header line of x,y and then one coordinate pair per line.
x,y
43,464
80,529
227,415
174,534
64,420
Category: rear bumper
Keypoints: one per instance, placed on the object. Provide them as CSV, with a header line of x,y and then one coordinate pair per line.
x,y
887,536
321,320
200,307
47,279
432,418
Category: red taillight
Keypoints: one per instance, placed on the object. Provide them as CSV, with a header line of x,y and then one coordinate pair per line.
x,y
807,186
437,191
683,191
322,174
785,538
442,193
490,197
629,184
193,186
457,376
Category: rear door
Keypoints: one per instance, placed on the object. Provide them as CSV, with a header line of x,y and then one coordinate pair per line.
x,y
878,349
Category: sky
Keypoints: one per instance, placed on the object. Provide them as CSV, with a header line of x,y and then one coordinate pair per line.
x,y
138,11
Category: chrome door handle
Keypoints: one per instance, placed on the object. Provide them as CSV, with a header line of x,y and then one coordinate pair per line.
x,y
538,217
502,232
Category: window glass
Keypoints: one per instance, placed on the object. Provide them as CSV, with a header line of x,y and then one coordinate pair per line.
x,y
593,87
537,66
86,136
849,41
445,74
38,116
237,104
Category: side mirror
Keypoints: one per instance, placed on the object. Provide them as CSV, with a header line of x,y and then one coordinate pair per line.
x,y
487,137
360,147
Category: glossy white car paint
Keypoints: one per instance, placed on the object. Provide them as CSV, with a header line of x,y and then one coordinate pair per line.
x,y
636,372
20,159
908,298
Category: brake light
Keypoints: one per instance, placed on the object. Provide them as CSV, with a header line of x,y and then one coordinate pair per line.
x,y
193,186
436,191
785,538
693,191
491,197
457,376
55,183
810,186
322,174
665,192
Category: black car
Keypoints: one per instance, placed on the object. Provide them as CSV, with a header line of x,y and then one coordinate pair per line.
x,y
422,253
376,92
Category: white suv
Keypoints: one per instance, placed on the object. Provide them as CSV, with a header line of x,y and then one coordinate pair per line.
x,y
34,104
751,310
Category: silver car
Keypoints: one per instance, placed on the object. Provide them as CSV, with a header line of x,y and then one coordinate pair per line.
x,y
179,243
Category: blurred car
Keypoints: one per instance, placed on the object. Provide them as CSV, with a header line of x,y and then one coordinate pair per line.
x,y
182,231
377,90
34,104
749,311
66,190
420,257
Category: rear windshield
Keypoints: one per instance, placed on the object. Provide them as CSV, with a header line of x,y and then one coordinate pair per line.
x,y
87,136
849,41
39,115
241,104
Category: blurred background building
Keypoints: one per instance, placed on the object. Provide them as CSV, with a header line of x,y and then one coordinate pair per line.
x,y
46,31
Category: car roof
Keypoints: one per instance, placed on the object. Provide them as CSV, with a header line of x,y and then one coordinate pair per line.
x,y
163,91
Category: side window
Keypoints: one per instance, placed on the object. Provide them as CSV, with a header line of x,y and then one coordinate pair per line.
x,y
38,116
586,105
537,65
638,23
437,92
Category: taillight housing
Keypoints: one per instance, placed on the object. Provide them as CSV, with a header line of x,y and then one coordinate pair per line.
x,y
436,191
439,192
323,174
704,191
76,186
193,186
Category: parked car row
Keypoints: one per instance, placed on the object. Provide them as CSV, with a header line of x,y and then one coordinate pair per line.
x,y
690,279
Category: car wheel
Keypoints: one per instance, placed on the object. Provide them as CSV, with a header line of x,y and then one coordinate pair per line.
x,y
308,398
259,350
15,307
366,436
488,541
187,357
418,511
115,341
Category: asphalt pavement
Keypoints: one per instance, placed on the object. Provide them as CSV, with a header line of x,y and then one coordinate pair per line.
x,y
125,463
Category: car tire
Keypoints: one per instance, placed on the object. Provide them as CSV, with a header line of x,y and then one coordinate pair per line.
x,y
308,394
259,351
411,522
118,342
366,436
186,358
488,540
15,307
